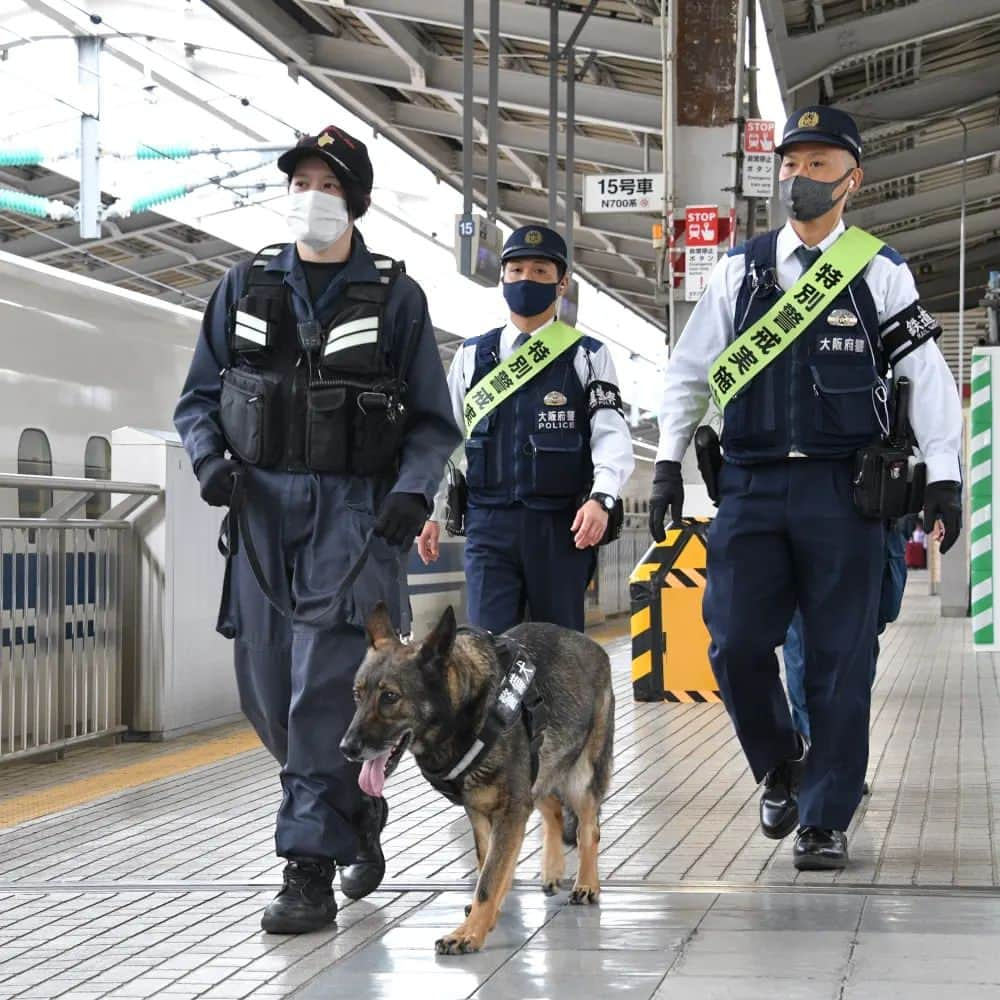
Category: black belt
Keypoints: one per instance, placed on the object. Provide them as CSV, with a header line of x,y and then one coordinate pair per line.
x,y
236,524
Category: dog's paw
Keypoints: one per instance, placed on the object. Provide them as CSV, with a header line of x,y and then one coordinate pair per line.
x,y
550,887
459,942
582,894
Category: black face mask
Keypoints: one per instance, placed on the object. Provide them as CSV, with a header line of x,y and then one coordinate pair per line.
x,y
806,199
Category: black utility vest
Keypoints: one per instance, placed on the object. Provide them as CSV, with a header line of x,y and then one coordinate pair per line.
x,y
823,396
304,399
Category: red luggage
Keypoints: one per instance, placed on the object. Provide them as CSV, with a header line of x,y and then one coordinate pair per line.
x,y
916,555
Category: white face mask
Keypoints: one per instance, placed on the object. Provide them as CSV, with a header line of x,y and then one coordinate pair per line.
x,y
316,218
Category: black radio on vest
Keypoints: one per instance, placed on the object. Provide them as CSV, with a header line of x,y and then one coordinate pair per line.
x,y
302,396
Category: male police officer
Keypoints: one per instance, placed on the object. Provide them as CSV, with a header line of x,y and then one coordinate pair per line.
x,y
546,462
317,371
808,391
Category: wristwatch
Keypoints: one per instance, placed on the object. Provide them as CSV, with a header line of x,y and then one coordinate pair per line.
x,y
605,500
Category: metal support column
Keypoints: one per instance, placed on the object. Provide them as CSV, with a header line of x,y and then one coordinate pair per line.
x,y
553,171
468,110
570,162
492,112
89,72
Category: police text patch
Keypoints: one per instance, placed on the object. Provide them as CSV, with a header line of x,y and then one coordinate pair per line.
x,y
556,420
604,396
907,330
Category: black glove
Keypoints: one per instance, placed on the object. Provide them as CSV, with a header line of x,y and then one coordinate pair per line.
x,y
943,502
215,475
401,518
668,491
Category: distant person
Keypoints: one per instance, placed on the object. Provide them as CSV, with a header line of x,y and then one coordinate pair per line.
x,y
316,385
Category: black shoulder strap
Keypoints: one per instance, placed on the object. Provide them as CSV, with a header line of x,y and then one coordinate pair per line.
x,y
258,276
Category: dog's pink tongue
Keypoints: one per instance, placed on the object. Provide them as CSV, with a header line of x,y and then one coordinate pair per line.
x,y
372,777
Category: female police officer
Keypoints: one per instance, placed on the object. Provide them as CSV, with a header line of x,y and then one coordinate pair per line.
x,y
317,371
804,391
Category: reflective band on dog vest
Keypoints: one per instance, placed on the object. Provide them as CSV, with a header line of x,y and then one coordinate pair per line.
x,y
792,314
519,369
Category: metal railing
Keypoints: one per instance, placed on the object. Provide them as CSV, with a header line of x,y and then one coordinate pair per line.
x,y
61,616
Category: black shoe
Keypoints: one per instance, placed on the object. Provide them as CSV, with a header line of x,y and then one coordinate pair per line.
x,y
368,870
820,850
779,802
306,902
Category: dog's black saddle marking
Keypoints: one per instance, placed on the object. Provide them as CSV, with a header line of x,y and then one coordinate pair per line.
x,y
516,697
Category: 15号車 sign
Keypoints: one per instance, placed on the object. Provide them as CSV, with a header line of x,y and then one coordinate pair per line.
x,y
622,193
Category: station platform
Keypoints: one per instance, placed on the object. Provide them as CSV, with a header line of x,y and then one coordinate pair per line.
x,y
150,878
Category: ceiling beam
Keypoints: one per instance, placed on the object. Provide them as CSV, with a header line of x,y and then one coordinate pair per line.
x,y
923,99
807,57
340,58
602,152
610,36
925,203
945,234
930,155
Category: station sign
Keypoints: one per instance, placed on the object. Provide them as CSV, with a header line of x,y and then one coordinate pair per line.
x,y
701,234
622,193
758,159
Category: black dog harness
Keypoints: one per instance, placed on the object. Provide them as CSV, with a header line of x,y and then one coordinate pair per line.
x,y
516,696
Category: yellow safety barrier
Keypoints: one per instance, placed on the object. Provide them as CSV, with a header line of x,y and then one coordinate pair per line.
x,y
669,638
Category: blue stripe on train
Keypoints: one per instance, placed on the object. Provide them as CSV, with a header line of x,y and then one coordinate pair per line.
x,y
81,582
10,637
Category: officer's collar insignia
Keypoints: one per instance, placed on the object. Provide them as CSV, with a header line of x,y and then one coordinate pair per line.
x,y
809,120
842,317
325,140
533,237
554,398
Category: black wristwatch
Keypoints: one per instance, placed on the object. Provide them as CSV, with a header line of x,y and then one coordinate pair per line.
x,y
605,500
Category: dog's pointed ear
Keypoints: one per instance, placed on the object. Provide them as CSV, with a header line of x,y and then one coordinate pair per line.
x,y
438,644
379,626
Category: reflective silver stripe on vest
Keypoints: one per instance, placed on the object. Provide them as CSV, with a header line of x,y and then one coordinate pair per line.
x,y
251,328
359,339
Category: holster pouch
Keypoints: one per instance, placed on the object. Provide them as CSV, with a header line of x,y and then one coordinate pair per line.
x,y
616,519
708,452
881,489
456,503
246,414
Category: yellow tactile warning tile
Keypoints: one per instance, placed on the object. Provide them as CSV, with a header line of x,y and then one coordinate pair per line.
x,y
21,808
613,628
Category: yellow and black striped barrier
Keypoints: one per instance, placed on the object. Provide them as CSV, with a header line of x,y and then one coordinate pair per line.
x,y
669,638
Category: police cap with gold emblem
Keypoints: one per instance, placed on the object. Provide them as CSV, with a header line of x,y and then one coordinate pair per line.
x,y
346,155
820,123
535,241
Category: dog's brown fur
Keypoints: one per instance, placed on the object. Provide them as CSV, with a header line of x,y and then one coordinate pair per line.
x,y
439,691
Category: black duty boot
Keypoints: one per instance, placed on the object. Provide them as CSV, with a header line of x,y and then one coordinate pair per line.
x,y
820,850
306,902
368,870
779,802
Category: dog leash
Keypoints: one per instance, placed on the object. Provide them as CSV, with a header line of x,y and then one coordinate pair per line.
x,y
236,525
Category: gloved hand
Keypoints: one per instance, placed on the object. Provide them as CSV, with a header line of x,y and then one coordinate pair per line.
x,y
943,502
215,475
668,491
401,517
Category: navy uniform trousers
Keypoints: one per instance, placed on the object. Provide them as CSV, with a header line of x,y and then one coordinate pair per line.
x,y
295,677
787,534
517,557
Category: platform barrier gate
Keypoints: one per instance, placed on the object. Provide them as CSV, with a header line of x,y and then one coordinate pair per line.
x,y
669,638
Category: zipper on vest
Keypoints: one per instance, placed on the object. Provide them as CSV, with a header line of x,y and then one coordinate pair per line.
x,y
297,428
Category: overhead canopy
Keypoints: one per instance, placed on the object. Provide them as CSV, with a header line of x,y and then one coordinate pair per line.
x,y
921,79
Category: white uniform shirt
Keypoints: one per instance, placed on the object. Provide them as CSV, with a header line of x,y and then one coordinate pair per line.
x,y
610,438
935,412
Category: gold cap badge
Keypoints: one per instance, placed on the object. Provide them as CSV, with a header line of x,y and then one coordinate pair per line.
x,y
533,237
324,140
809,120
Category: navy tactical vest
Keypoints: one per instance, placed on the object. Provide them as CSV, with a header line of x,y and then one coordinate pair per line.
x,y
824,396
534,448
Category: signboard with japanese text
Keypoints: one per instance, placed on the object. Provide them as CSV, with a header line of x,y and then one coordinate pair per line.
x,y
758,159
701,233
622,193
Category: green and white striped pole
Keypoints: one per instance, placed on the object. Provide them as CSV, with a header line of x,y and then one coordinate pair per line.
x,y
981,497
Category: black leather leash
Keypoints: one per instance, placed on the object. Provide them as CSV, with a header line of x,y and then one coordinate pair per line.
x,y
236,526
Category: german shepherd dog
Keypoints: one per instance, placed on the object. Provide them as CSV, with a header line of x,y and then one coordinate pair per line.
x,y
431,698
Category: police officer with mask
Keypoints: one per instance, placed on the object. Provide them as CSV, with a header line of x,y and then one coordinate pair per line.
x,y
316,389
545,462
796,350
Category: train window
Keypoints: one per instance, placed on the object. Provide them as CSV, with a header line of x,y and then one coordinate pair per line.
x,y
34,458
97,465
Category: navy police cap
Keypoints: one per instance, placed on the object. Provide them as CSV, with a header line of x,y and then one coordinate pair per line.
x,y
346,155
820,123
535,241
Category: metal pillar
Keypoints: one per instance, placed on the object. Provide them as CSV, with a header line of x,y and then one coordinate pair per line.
x,y
553,171
89,73
493,112
468,110
570,162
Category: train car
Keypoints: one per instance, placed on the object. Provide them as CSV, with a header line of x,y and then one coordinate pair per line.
x,y
81,358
